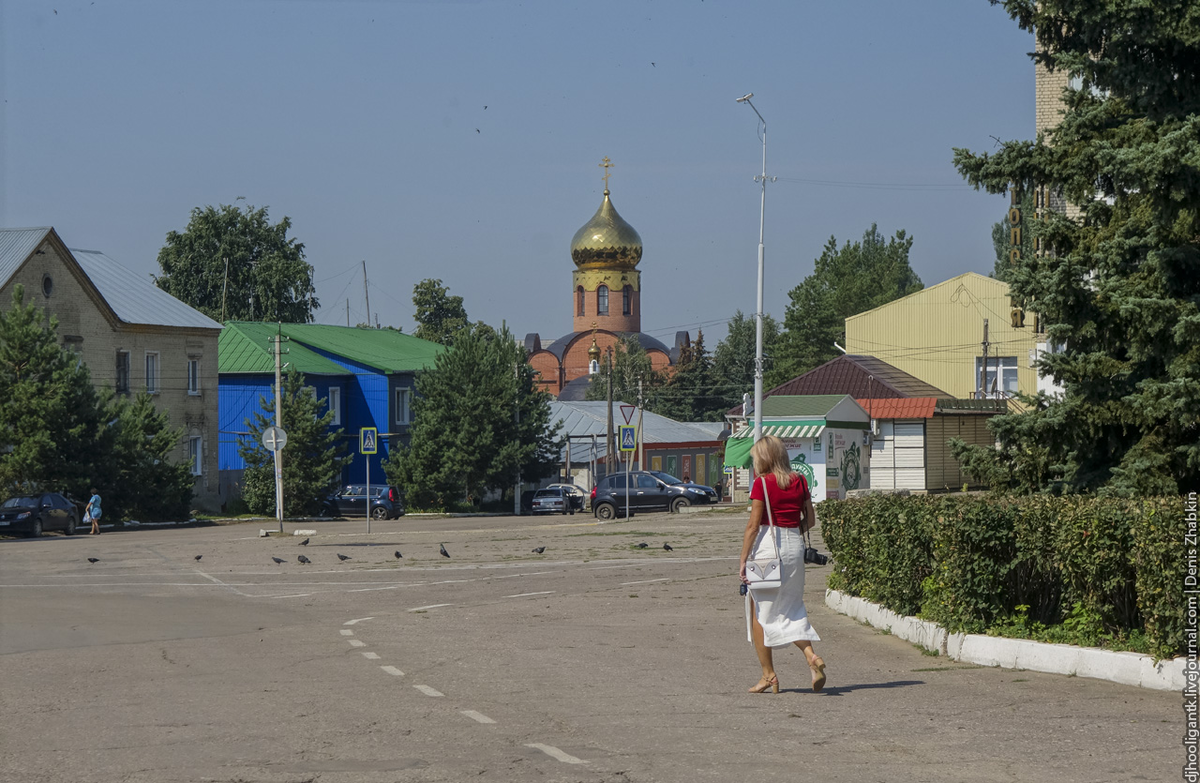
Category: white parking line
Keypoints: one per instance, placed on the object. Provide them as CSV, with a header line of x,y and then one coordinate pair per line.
x,y
373,589
347,632
514,576
555,753
370,656
479,717
357,643
425,689
431,606
646,581
295,595
392,670
525,595
359,620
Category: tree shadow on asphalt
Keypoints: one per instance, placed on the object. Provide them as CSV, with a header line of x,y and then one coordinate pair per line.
x,y
839,690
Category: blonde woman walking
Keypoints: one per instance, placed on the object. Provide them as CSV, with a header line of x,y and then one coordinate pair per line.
x,y
779,618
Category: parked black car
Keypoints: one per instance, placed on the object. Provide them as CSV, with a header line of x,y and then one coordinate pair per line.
x,y
351,501
35,514
648,491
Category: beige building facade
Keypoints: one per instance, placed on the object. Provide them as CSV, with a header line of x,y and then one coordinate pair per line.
x,y
937,335
132,336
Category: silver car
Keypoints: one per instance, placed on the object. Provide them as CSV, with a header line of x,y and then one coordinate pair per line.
x,y
551,500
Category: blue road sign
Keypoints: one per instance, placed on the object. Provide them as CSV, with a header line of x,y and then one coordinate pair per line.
x,y
628,437
368,440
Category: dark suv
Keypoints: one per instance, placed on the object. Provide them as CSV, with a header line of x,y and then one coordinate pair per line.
x,y
351,501
648,491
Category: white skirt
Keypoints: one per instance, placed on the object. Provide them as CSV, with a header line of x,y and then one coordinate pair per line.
x,y
781,611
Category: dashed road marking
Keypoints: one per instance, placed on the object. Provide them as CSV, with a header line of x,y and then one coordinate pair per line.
x,y
478,717
526,595
646,581
425,689
431,606
370,656
359,620
347,632
555,753
392,670
357,643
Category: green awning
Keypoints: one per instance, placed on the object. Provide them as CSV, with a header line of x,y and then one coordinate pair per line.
x,y
737,452
807,428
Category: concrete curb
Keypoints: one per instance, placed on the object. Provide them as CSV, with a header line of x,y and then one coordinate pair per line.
x,y
1125,668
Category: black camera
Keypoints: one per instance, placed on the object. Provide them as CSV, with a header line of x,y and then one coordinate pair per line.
x,y
811,555
743,588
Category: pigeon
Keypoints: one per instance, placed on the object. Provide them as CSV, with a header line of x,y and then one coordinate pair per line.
x,y
642,545
278,560
342,557
539,550
442,547
198,558
93,560
304,542
398,555
304,559
668,547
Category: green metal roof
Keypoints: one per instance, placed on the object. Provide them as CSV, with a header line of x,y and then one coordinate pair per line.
x,y
806,405
248,348
385,350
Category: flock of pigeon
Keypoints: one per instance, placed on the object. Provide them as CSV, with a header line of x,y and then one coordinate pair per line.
x,y
441,549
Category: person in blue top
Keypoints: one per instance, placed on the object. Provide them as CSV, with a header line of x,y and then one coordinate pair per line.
x,y
92,514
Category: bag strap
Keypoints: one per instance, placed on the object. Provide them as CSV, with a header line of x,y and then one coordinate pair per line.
x,y
808,529
770,517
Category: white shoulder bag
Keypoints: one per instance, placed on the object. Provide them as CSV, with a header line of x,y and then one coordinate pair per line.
x,y
765,573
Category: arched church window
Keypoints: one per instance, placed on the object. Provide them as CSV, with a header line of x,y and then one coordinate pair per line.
x,y
579,301
627,300
602,300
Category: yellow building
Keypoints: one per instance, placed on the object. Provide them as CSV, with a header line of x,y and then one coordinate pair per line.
x,y
937,335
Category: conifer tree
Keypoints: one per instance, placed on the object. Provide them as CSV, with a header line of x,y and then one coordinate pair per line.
x,y
1119,287
313,458
733,360
479,420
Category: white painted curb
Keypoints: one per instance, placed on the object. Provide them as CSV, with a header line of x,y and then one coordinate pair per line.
x,y
1126,668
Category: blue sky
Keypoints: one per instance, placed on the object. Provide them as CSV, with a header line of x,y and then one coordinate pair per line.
x,y
365,123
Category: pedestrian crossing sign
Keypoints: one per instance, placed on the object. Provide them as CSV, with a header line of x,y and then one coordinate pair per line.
x,y
368,440
628,438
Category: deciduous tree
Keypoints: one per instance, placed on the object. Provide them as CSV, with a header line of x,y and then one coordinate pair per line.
x,y
234,262
440,317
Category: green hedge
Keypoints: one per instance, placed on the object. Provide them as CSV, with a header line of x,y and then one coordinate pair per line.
x,y
1103,568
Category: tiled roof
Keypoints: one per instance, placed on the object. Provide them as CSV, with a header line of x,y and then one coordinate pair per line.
x,y
135,298
900,407
385,350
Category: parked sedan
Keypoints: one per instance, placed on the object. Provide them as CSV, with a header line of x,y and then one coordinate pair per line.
x,y
351,501
35,514
552,500
573,493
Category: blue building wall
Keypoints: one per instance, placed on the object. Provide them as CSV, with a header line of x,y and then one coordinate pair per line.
x,y
366,405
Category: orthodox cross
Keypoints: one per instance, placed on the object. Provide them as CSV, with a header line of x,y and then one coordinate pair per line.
x,y
606,165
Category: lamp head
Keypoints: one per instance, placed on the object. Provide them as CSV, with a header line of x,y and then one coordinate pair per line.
x,y
745,97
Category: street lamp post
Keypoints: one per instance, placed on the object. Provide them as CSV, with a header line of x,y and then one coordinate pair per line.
x,y
758,313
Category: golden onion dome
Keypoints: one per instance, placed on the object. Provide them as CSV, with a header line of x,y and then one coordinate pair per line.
x,y
606,241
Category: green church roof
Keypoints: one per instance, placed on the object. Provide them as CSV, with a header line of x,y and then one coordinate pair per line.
x,y
246,347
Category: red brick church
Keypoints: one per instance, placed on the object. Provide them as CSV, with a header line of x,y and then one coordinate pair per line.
x,y
606,299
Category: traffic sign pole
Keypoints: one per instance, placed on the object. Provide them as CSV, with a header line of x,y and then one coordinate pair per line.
x,y
368,444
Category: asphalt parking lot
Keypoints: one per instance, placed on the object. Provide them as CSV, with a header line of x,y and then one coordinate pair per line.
x,y
592,661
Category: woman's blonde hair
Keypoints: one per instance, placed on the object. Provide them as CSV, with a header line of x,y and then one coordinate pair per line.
x,y
770,456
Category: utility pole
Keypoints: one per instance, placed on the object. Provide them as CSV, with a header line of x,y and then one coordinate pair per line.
x,y
517,433
347,311
983,365
224,290
366,294
279,424
608,443
641,440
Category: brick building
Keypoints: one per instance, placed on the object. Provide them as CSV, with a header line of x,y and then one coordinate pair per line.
x,y
606,302
132,335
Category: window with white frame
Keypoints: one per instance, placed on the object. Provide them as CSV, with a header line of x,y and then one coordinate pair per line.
x,y
152,372
403,401
1005,385
196,448
193,376
122,384
334,401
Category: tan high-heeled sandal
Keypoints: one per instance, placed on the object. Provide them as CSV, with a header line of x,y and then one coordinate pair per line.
x,y
818,669
764,683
